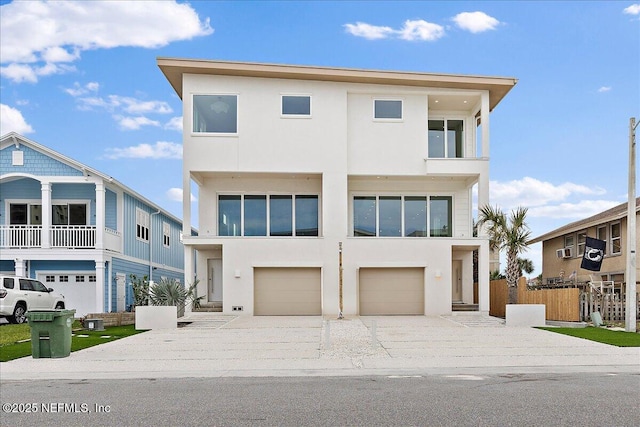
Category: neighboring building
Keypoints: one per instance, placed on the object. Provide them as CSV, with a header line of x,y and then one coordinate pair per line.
x,y
92,234
563,248
293,162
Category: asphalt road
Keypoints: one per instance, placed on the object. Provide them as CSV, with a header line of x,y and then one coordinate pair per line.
x,y
574,399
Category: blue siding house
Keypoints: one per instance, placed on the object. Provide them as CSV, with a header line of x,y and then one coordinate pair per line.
x,y
80,231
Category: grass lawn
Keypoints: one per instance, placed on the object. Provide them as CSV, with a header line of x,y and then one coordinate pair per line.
x,y
15,340
603,335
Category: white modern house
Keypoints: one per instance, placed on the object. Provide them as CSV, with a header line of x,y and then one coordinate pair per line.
x,y
323,190
80,231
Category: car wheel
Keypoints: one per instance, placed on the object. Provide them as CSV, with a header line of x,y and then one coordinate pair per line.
x,y
18,314
60,306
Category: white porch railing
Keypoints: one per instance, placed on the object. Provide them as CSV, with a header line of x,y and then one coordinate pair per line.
x,y
112,240
73,236
20,236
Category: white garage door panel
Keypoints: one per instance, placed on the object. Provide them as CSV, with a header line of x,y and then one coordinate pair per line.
x,y
77,296
287,292
391,291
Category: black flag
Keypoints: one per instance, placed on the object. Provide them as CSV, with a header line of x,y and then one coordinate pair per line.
x,y
593,254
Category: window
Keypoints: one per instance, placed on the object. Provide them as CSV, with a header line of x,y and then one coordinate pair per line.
x,y
166,233
390,216
267,215
69,214
402,216
229,208
255,215
440,216
142,225
8,283
601,234
25,285
296,105
582,241
387,109
415,216
50,279
92,278
447,144
79,279
569,242
364,216
306,215
215,114
38,287
280,215
64,278
25,214
616,241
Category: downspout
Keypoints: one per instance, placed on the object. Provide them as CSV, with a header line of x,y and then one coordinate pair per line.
x,y
151,245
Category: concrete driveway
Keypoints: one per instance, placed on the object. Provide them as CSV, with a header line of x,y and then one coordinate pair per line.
x,y
213,345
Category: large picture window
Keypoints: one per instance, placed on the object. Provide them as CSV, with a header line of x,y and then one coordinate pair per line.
x,y
446,138
25,214
69,214
402,216
268,215
215,114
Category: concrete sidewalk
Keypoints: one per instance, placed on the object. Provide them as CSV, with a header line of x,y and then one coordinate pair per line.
x,y
214,345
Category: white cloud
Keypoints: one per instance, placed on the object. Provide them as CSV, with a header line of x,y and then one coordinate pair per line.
x,y
58,32
604,89
135,123
161,150
11,120
79,90
475,22
574,211
421,30
532,192
175,195
634,9
174,124
368,31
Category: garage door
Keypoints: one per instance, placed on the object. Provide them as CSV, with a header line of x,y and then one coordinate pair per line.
x,y
79,290
389,291
287,292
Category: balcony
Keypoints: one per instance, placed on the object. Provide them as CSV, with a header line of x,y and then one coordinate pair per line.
x,y
60,236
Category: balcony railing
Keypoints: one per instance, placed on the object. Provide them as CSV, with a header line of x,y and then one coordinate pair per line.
x,y
73,236
20,236
60,236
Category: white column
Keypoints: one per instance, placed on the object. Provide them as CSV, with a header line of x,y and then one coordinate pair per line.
x,y
186,204
21,267
483,277
484,116
100,286
109,285
100,214
189,273
46,215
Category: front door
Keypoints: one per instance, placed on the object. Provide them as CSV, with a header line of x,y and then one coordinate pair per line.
x,y
214,269
456,281
120,289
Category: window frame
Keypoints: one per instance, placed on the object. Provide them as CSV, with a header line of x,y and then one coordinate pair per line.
x,y
599,230
210,133
294,196
445,120
618,238
166,234
581,245
284,115
388,119
572,245
143,230
403,199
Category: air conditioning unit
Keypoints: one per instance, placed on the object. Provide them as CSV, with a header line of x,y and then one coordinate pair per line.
x,y
564,253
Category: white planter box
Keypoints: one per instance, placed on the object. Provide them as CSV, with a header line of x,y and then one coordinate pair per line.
x,y
527,315
156,317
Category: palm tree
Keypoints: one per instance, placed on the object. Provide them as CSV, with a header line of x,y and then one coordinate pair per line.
x,y
510,234
526,265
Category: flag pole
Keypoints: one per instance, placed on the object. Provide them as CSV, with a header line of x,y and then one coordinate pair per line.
x,y
630,276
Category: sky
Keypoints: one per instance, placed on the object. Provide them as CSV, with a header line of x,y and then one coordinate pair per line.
x,y
81,78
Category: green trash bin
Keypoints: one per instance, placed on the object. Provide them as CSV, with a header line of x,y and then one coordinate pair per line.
x,y
50,333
